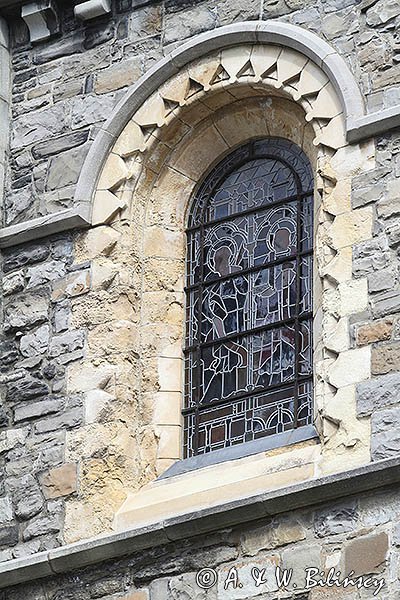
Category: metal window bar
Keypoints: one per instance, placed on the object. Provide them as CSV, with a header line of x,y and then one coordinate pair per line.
x,y
196,407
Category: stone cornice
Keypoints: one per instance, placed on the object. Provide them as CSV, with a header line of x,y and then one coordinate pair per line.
x,y
244,510
70,218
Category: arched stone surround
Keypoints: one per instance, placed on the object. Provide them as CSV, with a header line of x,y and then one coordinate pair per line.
x,y
134,312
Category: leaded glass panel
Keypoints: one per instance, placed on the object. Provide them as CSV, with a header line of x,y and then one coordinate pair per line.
x,y
248,370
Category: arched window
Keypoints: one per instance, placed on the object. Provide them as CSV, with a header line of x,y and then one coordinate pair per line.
x,y
248,354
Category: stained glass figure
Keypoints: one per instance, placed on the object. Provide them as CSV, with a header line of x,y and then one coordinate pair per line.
x,y
248,367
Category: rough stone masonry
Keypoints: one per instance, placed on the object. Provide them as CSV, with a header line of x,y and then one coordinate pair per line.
x,y
62,91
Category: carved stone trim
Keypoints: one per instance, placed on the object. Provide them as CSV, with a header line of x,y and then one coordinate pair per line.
x,y
41,18
92,9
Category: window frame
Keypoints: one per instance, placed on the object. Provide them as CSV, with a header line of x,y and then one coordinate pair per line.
x,y
272,441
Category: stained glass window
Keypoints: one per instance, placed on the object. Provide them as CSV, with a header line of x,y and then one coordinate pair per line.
x,y
248,352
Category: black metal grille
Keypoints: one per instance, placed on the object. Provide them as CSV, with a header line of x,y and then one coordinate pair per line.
x,y
248,353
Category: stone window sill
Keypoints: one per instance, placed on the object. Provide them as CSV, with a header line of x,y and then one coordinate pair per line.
x,y
265,444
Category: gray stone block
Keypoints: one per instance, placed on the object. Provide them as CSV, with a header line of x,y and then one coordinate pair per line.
x,y
45,273
385,420
35,343
24,255
14,283
42,526
65,168
26,388
59,144
40,125
337,519
27,498
378,393
385,444
38,409
66,343
386,304
26,311
9,535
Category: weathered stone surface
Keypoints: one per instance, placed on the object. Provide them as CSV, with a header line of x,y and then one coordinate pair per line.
x,y
197,19
300,558
26,388
45,273
18,257
60,144
14,283
378,393
385,358
35,343
68,420
8,536
108,586
28,501
377,331
60,482
273,535
366,554
382,12
64,46
370,256
9,353
64,169
40,126
381,280
118,76
38,409
386,303
335,520
68,342
385,444
74,284
91,109
61,317
6,511
42,526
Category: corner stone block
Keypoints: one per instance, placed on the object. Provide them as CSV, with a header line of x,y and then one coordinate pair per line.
x,y
351,228
60,482
353,296
332,135
366,554
114,173
170,374
169,442
350,367
106,207
83,378
130,141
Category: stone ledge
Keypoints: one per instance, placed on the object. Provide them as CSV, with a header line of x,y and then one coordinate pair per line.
x,y
373,124
27,231
81,554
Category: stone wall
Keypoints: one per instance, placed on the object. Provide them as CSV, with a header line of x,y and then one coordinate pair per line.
x,y
63,89
356,534
83,324
36,346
